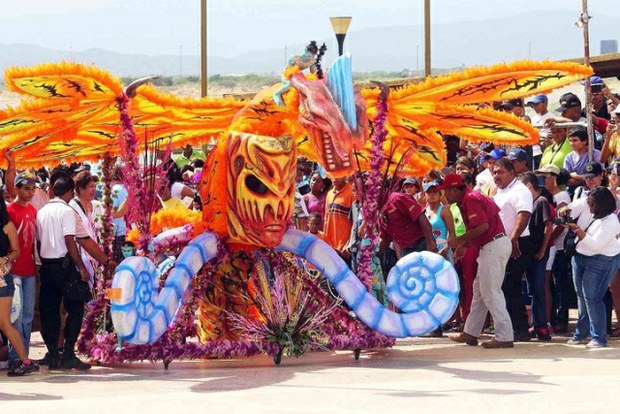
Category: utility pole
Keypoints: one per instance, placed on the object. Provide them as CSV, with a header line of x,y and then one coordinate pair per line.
x,y
427,37
203,47
583,23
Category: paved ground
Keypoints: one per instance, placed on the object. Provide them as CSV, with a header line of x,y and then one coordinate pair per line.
x,y
421,375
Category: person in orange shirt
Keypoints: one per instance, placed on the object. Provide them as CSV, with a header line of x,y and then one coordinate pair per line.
x,y
338,225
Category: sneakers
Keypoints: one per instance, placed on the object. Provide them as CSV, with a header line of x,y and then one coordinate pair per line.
x,y
576,341
73,362
543,334
494,344
464,338
595,344
23,369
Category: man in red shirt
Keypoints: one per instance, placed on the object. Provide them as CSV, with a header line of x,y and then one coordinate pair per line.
x,y
23,215
484,229
403,222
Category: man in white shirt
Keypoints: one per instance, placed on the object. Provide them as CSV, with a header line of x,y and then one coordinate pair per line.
x,y
539,104
60,263
515,202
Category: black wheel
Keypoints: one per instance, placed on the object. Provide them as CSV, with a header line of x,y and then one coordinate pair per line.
x,y
356,353
277,358
166,364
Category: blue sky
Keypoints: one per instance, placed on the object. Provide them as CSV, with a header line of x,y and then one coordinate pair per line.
x,y
235,26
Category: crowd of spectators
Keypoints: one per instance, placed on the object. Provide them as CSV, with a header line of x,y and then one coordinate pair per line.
x,y
518,224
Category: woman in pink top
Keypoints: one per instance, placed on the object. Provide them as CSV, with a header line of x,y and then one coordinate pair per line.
x,y
315,199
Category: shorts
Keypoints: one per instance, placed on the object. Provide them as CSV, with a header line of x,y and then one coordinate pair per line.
x,y
549,265
9,290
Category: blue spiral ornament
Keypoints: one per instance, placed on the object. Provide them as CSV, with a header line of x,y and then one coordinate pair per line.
x,y
142,314
423,285
426,285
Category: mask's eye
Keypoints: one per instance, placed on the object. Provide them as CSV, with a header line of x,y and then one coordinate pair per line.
x,y
255,185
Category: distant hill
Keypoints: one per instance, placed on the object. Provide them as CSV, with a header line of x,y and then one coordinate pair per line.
x,y
539,35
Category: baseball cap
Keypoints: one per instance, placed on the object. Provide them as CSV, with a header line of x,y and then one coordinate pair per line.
x,y
537,99
596,83
567,101
25,177
497,154
548,169
433,184
593,169
517,154
412,181
452,181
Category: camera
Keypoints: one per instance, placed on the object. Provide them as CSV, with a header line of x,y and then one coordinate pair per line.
x,y
560,220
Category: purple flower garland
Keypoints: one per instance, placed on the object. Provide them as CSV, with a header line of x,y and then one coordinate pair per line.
x,y
372,187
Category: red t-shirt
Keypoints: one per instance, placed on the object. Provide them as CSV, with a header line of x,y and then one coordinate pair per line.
x,y
477,209
399,220
24,219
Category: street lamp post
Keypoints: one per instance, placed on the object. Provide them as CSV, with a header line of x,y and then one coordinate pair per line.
x,y
340,26
203,47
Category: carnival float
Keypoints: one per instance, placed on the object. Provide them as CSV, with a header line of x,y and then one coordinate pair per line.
x,y
231,281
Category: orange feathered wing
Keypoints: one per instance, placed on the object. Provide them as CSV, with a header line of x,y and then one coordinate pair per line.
x,y
419,114
70,111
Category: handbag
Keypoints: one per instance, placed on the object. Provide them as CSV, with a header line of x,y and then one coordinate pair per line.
x,y
571,240
77,290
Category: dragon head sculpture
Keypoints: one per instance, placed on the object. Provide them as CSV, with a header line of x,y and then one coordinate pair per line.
x,y
334,131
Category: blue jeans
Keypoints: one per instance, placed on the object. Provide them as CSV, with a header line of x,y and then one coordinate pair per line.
x,y
24,323
592,275
535,273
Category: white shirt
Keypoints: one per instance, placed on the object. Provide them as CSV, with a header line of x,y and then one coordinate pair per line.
x,y
580,210
538,120
483,179
176,189
561,198
512,200
601,237
55,220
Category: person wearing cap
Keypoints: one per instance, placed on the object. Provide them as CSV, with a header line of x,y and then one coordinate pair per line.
x,y
575,162
518,157
599,107
611,143
512,106
570,111
442,222
484,180
23,215
40,198
410,186
515,203
558,150
539,104
484,229
556,267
